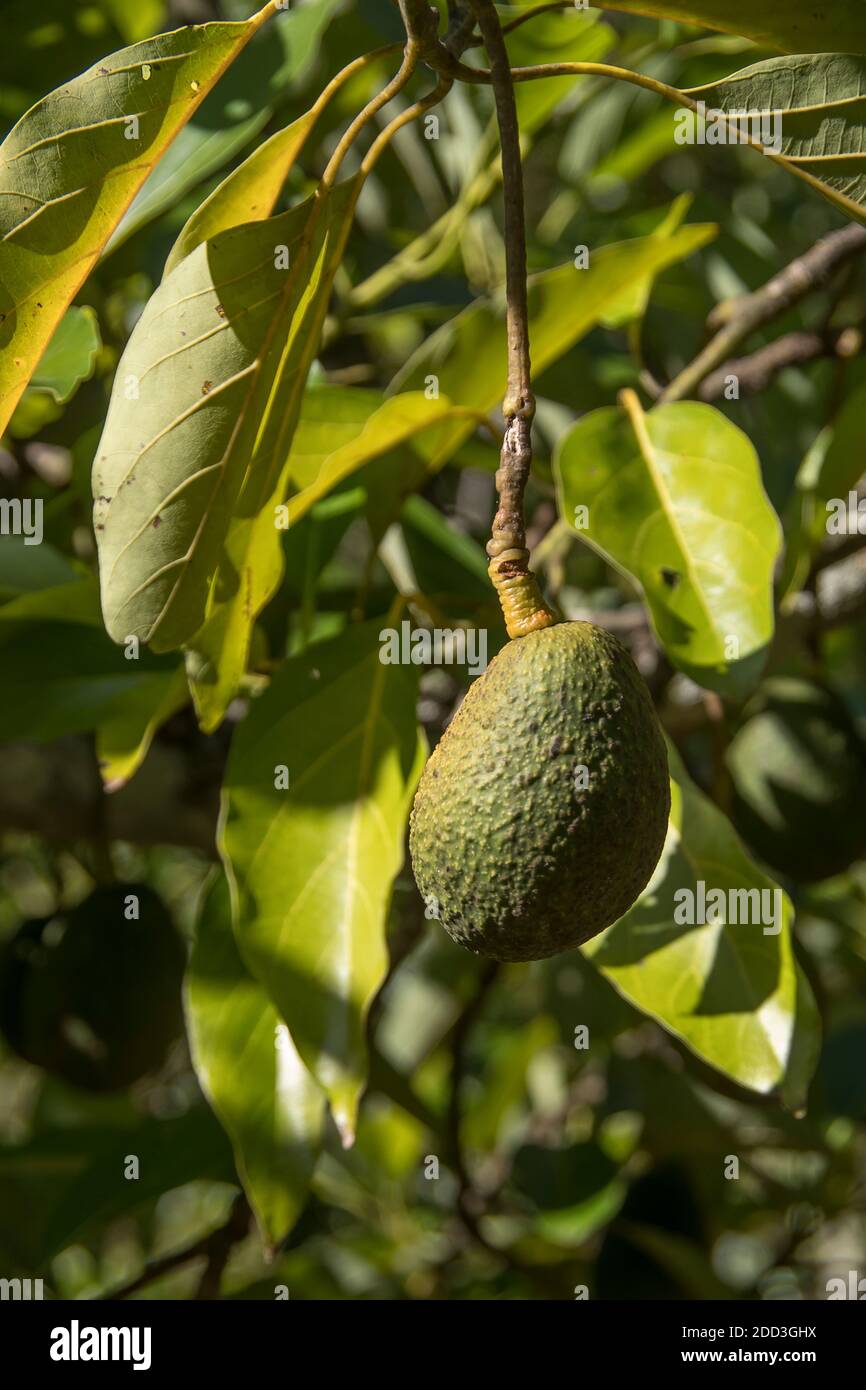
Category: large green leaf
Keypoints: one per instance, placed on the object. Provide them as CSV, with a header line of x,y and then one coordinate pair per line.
x,y
817,27
73,163
189,470
820,105
675,499
312,866
467,355
732,993
248,1067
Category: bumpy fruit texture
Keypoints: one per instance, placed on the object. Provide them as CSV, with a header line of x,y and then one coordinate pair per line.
x,y
798,767
91,996
542,813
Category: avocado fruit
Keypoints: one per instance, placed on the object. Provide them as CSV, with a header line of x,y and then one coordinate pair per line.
x,y
798,768
542,812
92,996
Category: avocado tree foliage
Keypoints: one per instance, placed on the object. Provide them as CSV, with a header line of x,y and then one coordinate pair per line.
x,y
297,286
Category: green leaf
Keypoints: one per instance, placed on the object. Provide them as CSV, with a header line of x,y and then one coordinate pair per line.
x,y
124,736
190,470
819,27
248,194
248,1067
398,419
234,113
830,470
675,499
467,355
62,674
312,866
73,163
733,994
70,356
632,302
818,102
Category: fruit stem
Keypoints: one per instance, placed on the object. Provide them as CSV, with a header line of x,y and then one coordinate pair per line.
x,y
519,594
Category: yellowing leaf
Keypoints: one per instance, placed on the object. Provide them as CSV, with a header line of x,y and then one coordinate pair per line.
x,y
71,167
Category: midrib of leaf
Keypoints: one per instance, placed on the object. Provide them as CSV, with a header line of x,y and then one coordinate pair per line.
x,y
637,421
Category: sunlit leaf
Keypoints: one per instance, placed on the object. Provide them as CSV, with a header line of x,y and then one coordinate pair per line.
x,y
73,163
312,866
192,460
675,499
731,990
248,1067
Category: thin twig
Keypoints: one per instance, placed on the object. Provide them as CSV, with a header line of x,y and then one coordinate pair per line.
x,y
205,1246
755,372
737,318
524,609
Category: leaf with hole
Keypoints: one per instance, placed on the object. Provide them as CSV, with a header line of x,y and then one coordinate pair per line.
x,y
675,499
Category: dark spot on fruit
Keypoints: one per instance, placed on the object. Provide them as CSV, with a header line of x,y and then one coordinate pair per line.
x,y
670,577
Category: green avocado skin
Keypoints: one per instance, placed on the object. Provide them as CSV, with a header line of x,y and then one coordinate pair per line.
x,y
798,768
517,857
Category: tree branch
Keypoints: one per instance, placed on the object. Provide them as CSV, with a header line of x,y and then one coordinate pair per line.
x,y
755,372
736,319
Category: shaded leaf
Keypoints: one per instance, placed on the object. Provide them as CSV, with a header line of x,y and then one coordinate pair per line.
x,y
312,866
675,499
70,356
219,358
815,104
71,166
63,675
248,1067
733,993
819,27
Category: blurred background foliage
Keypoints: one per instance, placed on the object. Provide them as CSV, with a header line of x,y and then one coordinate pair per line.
x,y
558,1166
